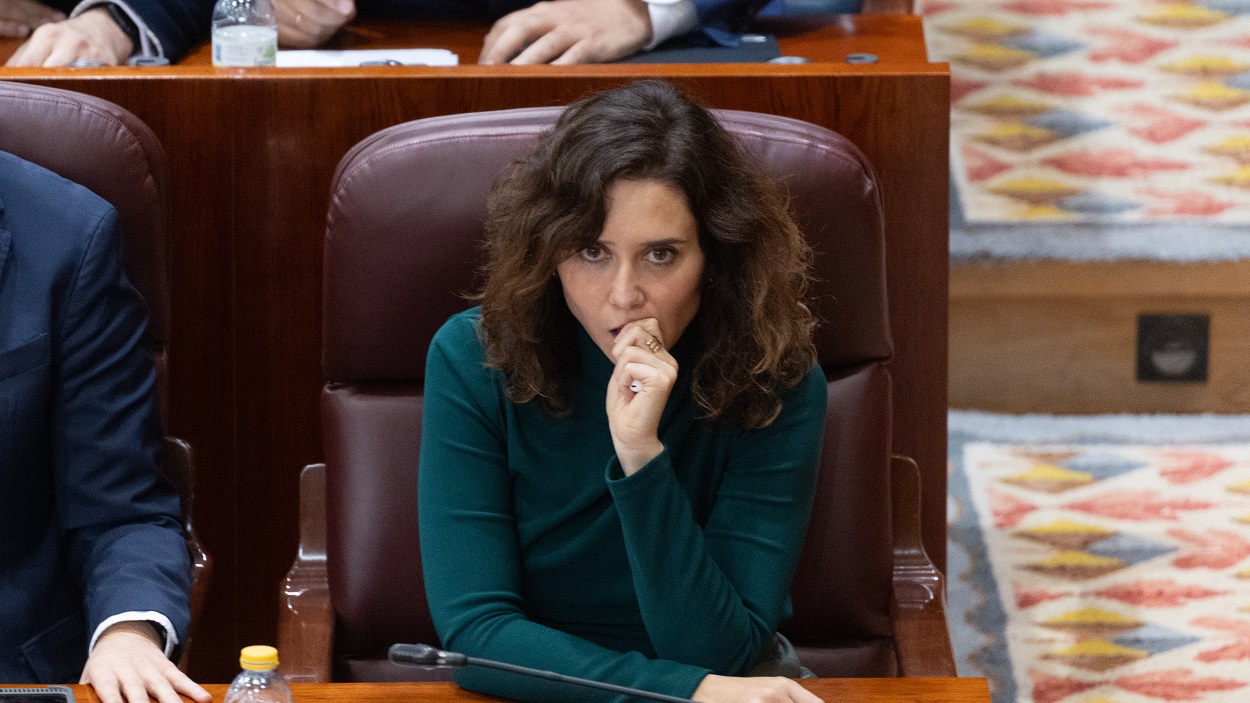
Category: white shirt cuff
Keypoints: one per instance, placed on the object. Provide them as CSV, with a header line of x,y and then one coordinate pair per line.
x,y
149,44
670,18
158,619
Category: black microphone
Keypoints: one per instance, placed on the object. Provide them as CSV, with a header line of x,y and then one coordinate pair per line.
x,y
425,655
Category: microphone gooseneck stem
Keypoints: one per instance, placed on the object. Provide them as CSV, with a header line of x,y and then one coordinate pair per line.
x,y
553,676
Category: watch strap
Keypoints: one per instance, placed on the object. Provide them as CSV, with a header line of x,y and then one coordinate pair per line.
x,y
127,25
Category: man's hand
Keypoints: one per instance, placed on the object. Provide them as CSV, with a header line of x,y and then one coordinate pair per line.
x,y
91,36
306,24
20,17
127,665
568,32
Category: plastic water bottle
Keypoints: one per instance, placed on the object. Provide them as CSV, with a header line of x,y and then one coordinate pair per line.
x,y
245,33
259,682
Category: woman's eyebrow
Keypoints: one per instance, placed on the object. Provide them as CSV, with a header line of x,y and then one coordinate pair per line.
x,y
651,243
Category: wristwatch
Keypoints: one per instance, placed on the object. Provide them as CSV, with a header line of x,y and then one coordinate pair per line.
x,y
127,25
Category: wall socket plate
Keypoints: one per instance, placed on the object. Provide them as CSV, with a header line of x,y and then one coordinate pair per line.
x,y
1173,347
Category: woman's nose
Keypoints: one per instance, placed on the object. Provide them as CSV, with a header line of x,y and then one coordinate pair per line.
x,y
626,291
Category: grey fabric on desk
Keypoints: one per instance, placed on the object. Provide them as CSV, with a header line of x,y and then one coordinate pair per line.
x,y
698,48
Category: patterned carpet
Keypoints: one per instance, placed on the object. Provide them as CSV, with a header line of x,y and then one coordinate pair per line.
x,y
1092,563
1071,114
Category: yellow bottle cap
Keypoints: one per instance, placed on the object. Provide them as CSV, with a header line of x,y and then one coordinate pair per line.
x,y
258,657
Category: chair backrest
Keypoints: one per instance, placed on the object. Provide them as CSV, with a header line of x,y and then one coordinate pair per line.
x,y
108,150
105,148
404,244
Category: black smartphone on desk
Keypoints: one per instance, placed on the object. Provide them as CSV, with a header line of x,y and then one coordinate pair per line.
x,y
37,694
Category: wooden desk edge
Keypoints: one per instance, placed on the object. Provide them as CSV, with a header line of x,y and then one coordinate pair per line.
x,y
474,71
952,690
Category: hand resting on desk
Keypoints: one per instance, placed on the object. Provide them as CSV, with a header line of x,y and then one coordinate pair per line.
x,y
558,31
569,32
553,31
91,36
307,24
127,665
753,689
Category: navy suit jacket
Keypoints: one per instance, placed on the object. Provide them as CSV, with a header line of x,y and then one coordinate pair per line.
x,y
88,526
181,24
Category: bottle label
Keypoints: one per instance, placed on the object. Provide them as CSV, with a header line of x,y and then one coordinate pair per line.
x,y
245,45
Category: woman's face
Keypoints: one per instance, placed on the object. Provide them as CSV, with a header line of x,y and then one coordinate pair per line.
x,y
647,263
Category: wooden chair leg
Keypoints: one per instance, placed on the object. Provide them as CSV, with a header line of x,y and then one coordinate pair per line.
x,y
305,616
178,464
918,607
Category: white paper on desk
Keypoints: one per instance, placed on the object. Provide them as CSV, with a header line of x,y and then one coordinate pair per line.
x,y
355,57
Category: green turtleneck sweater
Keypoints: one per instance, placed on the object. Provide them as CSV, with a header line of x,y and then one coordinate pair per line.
x,y
538,551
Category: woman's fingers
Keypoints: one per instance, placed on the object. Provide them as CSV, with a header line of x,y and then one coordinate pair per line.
x,y
754,689
634,363
638,391
644,334
639,345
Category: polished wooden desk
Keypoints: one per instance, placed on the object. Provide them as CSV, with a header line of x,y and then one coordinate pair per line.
x,y
831,690
251,155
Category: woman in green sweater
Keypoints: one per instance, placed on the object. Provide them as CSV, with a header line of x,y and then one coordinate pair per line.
x,y
620,445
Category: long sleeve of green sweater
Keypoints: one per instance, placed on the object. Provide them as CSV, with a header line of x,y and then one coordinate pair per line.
x,y
538,551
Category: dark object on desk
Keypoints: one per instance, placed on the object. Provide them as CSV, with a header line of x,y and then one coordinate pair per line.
x,y
699,48
37,694
425,655
811,7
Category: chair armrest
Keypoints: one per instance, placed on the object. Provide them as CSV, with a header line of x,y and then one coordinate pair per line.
x,y
918,605
178,465
305,616
889,7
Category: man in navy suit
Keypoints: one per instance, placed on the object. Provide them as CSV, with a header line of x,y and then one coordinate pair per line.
x,y
524,31
92,556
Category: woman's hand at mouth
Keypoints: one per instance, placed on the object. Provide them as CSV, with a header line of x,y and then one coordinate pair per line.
x,y
642,360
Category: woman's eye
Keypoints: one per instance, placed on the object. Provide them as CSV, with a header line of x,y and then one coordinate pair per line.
x,y
661,256
592,253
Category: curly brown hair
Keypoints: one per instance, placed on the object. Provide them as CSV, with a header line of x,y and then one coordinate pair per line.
x,y
755,326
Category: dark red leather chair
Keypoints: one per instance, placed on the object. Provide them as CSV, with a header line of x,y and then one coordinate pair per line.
x,y
107,149
403,244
